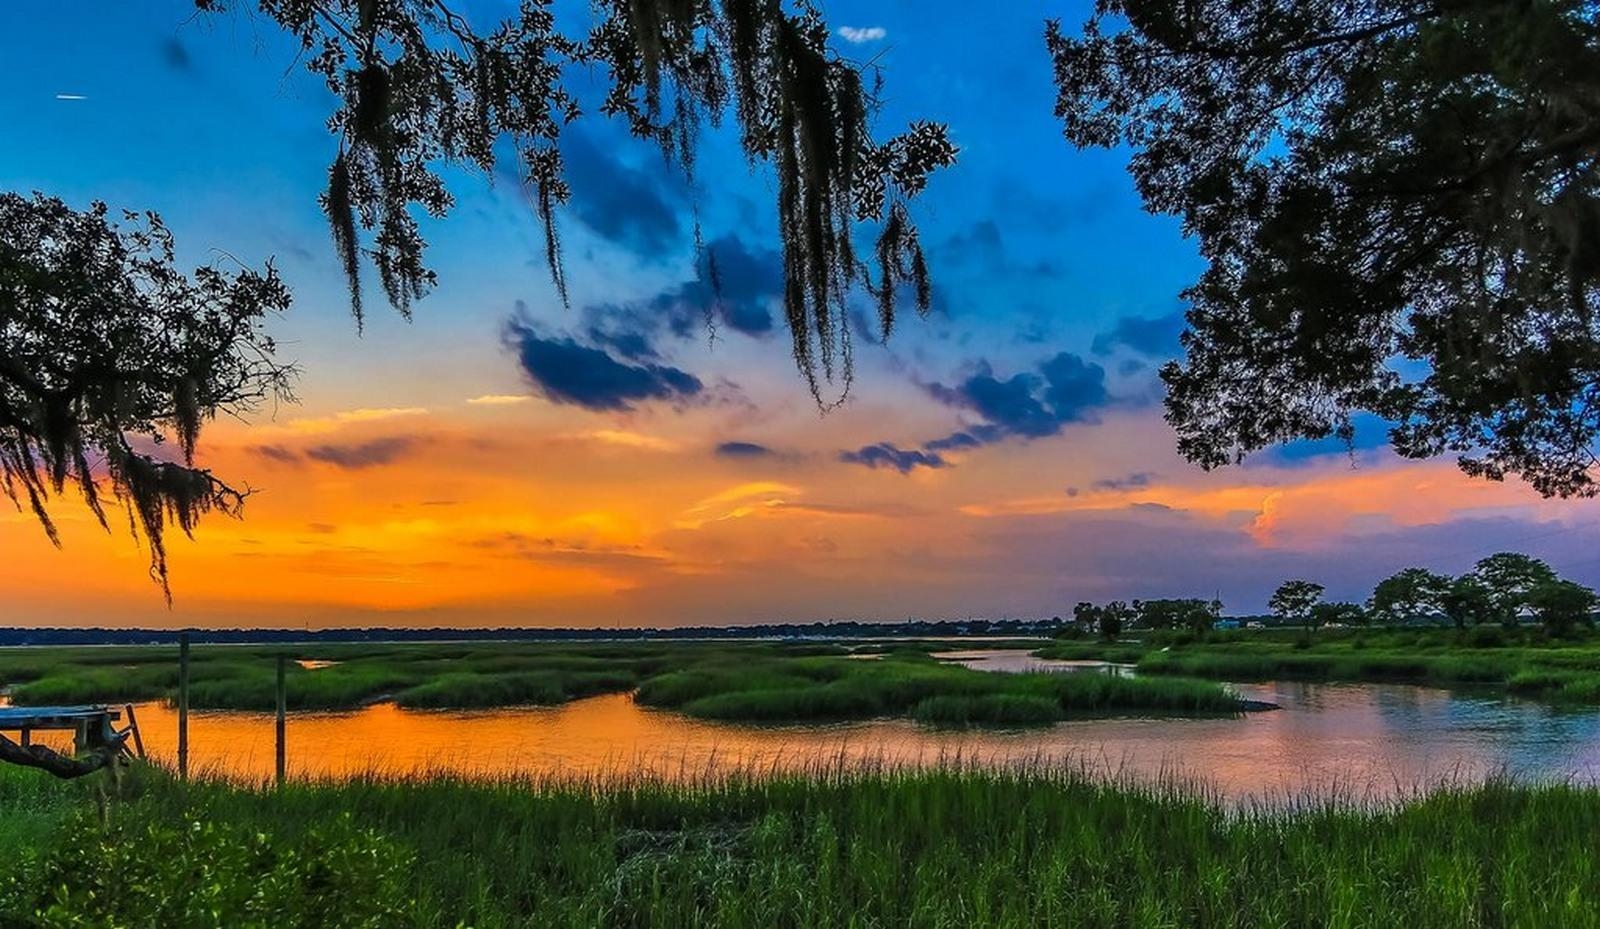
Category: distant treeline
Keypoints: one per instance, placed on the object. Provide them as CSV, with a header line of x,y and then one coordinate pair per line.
x,y
831,630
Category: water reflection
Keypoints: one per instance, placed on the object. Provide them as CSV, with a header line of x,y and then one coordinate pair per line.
x,y
1022,661
1363,740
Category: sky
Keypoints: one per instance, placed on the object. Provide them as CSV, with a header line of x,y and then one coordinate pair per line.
x,y
504,459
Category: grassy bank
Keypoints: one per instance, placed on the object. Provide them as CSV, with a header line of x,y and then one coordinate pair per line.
x,y
933,849
730,681
911,684
1524,662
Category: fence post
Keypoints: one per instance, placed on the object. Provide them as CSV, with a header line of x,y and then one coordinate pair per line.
x,y
183,705
282,706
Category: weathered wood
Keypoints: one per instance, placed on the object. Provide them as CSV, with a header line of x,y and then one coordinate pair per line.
x,y
47,759
14,718
133,727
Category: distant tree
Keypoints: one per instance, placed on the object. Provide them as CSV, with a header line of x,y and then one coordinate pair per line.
x,y
1408,593
1468,602
1399,208
112,359
1338,614
1509,579
1196,615
421,88
1295,601
1110,618
1562,605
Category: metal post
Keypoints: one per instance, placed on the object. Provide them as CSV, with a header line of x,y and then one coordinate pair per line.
x,y
183,705
282,706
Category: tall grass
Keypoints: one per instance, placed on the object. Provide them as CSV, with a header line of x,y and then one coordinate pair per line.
x,y
948,848
1524,662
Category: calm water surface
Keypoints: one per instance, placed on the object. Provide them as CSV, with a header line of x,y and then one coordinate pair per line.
x,y
1365,740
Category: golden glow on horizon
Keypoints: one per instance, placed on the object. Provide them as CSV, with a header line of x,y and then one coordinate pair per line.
x,y
401,515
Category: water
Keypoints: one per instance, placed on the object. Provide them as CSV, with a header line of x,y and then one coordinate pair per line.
x,y
1364,740
1018,661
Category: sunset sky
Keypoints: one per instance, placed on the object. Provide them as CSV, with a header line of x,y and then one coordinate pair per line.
x,y
504,459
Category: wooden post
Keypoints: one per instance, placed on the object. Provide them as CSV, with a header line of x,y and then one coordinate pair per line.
x,y
183,705
133,725
282,706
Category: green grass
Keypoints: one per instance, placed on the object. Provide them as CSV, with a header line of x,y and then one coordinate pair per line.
x,y
747,681
1523,662
948,848
751,689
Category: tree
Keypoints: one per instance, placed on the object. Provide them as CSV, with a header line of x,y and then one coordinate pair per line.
x,y
1468,601
1408,593
1295,601
421,89
1509,578
1399,204
1338,614
1110,618
1561,605
110,356
1194,614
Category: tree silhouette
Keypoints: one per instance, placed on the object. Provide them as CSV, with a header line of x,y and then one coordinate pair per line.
x,y
109,355
1399,204
420,88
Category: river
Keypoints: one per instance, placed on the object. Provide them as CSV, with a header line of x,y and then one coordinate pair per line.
x,y
1365,741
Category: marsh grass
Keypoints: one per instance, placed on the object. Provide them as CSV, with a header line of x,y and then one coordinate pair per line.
x,y
1017,847
748,681
1523,662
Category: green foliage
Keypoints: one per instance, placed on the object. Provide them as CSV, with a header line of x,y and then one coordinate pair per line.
x,y
198,872
1409,593
1295,601
1562,605
1508,578
1398,208
1011,849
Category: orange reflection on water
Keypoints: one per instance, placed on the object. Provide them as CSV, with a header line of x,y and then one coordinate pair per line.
x,y
1362,740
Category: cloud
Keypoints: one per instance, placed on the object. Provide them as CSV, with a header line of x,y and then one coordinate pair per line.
x,y
565,372
72,96
734,287
1135,481
628,439
320,424
857,35
1062,389
622,203
499,399
743,450
276,453
358,455
1155,336
885,455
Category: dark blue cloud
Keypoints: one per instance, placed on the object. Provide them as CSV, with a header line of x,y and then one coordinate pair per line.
x,y
1032,404
564,371
639,209
734,287
744,450
885,455
1155,336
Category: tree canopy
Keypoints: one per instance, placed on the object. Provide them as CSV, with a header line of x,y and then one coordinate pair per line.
x,y
1399,206
109,354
